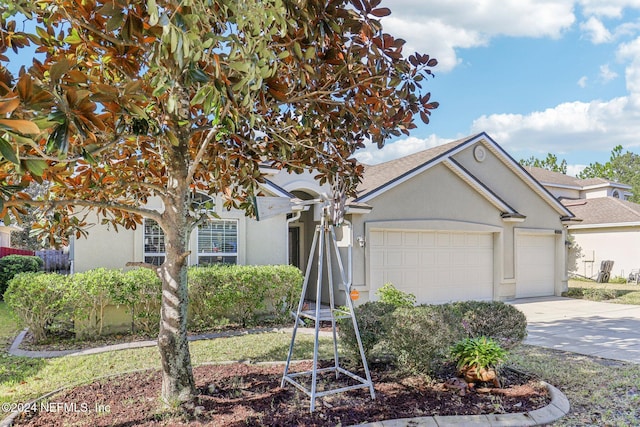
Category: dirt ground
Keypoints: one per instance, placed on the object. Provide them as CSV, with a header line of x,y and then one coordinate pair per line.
x,y
242,394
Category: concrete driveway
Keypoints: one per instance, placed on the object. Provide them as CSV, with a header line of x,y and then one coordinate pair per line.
x,y
593,328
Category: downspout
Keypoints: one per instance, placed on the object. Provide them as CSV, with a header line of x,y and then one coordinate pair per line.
x,y
349,257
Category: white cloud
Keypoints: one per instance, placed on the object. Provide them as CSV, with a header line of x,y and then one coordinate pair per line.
x,y
596,31
582,82
574,170
440,28
607,8
371,155
606,74
571,126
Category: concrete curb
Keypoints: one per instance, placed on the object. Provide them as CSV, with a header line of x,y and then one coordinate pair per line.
x,y
558,408
15,350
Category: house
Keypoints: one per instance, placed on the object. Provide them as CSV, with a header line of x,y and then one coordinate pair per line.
x,y
609,226
456,222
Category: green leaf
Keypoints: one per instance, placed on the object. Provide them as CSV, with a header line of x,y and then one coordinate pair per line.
x,y
7,152
37,167
73,38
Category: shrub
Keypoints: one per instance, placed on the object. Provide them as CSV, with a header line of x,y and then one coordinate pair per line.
x,y
574,293
145,291
494,319
38,299
223,293
481,352
391,295
420,337
373,322
90,293
14,264
599,294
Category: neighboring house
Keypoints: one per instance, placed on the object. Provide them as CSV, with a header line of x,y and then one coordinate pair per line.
x,y
459,221
608,226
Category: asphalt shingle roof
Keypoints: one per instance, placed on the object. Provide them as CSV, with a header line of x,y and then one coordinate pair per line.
x,y
549,177
603,210
377,176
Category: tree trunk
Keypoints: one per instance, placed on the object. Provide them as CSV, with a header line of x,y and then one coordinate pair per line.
x,y
177,375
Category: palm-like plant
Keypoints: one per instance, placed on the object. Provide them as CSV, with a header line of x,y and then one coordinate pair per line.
x,y
480,352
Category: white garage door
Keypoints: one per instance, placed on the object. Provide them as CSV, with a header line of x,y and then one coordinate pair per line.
x,y
435,266
535,264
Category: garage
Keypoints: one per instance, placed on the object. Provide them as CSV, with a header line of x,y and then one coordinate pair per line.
x,y
535,265
435,266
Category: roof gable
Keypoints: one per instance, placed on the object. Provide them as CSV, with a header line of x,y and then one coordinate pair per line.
x,y
385,176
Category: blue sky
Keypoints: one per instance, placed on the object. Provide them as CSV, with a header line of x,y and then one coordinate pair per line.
x,y
538,76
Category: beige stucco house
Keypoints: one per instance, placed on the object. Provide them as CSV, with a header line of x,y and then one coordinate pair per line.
x,y
608,226
456,222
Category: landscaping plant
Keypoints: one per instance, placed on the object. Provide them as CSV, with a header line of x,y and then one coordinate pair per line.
x,y
14,264
495,319
374,320
391,295
38,300
477,359
481,352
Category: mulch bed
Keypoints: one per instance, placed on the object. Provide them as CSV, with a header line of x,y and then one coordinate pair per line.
x,y
241,394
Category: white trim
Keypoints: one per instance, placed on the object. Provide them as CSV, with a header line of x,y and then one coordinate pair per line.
x,y
605,225
432,225
607,184
357,210
272,188
214,254
565,186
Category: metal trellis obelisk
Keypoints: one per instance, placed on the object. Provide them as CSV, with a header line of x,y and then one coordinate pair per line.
x,y
324,240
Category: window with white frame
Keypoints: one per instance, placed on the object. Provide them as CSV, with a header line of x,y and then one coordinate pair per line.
x,y
218,242
154,248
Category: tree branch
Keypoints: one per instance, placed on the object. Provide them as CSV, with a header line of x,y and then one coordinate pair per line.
x,y
52,204
142,265
205,145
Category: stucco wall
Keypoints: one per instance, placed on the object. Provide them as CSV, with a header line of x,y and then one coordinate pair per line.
x,y
105,248
420,198
619,244
563,192
597,193
263,242
440,196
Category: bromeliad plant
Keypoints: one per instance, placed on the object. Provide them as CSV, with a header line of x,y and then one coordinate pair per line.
x,y
477,359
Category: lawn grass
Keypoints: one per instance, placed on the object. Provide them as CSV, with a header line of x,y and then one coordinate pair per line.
x,y
8,325
23,378
26,378
619,293
601,392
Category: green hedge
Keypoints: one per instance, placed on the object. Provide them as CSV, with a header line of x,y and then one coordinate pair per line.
x,y
241,294
14,264
217,294
419,338
38,300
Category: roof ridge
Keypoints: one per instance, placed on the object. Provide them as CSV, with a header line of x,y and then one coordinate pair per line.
x,y
626,206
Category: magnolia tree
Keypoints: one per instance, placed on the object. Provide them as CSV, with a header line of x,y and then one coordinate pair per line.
x,y
127,100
